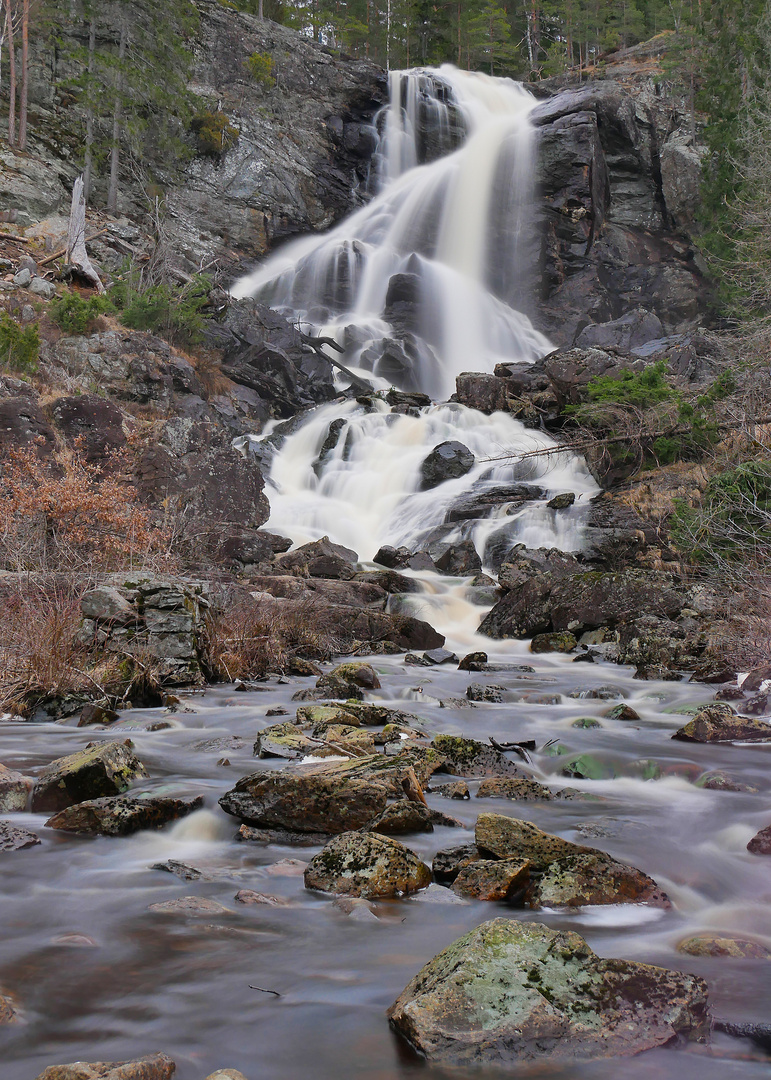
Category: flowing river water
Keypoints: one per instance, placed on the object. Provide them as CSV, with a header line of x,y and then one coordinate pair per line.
x,y
98,976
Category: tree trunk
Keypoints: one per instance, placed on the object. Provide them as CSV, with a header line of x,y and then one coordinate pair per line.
x,y
12,70
88,164
24,74
76,255
260,12
117,116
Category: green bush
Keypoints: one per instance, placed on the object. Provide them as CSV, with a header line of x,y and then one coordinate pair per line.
x,y
19,347
75,315
640,389
214,133
732,523
174,313
260,67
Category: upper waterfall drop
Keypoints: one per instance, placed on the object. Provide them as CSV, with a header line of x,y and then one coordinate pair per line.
x,y
430,278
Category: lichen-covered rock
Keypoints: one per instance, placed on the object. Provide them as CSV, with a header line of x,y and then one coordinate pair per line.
x,y
467,757
16,838
324,803
510,838
415,765
591,879
720,945
719,723
449,862
14,790
485,692
368,865
561,641
492,879
457,790
511,991
358,673
100,770
121,815
153,1067
403,816
310,715
522,789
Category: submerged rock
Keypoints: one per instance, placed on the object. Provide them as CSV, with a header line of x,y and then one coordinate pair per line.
x,y
325,803
101,770
368,865
120,815
511,991
153,1067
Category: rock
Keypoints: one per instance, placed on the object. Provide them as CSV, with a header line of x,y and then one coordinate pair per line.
x,y
403,816
152,1067
485,692
760,844
249,896
305,803
14,791
414,766
16,838
594,878
522,789
368,865
467,757
40,287
587,767
632,330
512,991
459,560
622,712
473,661
22,278
8,1013
719,723
440,656
449,862
97,714
226,1074
563,641
330,687
436,894
285,741
190,905
360,674
100,770
282,837
717,945
561,502
106,604
457,790
718,781
299,559
486,879
510,838
312,715
121,815
447,461
586,722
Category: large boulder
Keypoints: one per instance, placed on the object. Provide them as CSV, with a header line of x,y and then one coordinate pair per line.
x,y
591,879
719,723
325,803
100,770
509,992
447,461
366,864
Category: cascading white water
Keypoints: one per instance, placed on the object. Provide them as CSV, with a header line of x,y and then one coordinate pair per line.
x,y
417,286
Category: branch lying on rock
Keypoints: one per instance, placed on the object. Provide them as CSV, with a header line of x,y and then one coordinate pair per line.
x,y
317,343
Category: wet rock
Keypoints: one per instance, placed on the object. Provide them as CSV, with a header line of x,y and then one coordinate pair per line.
x,y
562,641
326,803
758,705
356,908
360,674
285,741
718,945
594,878
180,870
756,678
97,714
485,692
456,703
152,1067
467,757
520,789
120,815
596,693
249,896
510,838
587,767
719,723
281,837
414,766
512,991
403,816
473,661
101,770
440,656
561,502
14,790
449,862
492,879
190,905
622,712
311,715
718,781
16,838
586,722
447,461
329,687
459,560
458,790
371,715
368,865
760,844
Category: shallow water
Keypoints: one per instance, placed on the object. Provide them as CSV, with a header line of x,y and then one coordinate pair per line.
x,y
143,981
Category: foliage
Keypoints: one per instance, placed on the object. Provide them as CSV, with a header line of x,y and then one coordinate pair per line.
x,y
732,522
75,315
67,513
214,133
19,346
260,67
172,311
639,388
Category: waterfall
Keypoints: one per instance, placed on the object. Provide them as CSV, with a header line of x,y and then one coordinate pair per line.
x,y
429,279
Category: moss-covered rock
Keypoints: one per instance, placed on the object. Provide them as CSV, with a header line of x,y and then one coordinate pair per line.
x,y
719,723
417,763
366,864
99,771
512,991
560,641
357,672
510,838
321,803
309,715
